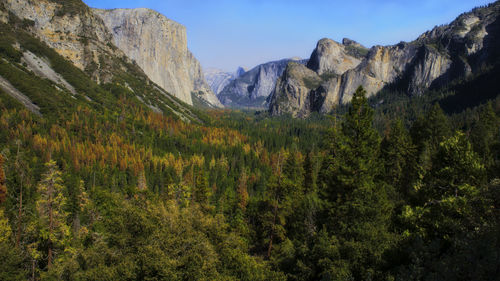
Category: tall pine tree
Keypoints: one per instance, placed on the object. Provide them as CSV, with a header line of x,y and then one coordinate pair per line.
x,y
3,185
51,223
358,206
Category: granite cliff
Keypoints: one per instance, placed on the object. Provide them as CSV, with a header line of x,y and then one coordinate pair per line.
x,y
437,57
66,43
253,88
159,46
99,42
218,79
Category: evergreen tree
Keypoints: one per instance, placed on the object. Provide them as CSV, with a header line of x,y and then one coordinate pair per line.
x,y
51,221
3,184
359,209
309,173
353,158
430,130
201,193
454,166
11,265
398,155
243,190
453,212
485,137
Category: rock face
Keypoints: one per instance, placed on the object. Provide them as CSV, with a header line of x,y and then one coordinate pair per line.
x,y
295,84
253,88
159,46
437,57
332,57
218,79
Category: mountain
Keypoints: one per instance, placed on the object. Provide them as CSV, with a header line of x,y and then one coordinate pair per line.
x,y
218,79
65,53
253,88
159,46
449,52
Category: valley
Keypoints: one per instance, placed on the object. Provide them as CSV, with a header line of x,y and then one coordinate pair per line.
x,y
121,158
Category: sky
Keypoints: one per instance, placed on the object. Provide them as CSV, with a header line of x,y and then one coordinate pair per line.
x,y
226,34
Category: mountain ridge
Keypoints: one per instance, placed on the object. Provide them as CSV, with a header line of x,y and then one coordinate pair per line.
x,y
435,58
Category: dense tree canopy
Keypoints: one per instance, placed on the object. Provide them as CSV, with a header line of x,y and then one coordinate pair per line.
x,y
244,197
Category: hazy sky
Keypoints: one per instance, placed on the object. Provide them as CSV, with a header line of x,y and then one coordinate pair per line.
x,y
226,34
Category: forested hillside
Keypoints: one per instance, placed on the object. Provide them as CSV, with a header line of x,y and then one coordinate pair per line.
x,y
138,195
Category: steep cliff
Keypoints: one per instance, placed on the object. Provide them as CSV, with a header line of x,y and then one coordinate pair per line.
x,y
253,88
159,46
295,85
218,79
437,57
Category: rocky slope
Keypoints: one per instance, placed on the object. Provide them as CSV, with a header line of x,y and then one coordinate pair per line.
x,y
253,88
66,43
159,46
72,30
437,57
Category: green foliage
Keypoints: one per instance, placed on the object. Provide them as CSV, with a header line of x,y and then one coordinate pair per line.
x,y
356,51
11,265
399,156
70,7
3,186
359,206
50,229
485,138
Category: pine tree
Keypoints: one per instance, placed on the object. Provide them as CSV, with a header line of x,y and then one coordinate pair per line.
x,y
11,265
51,223
454,210
83,206
454,166
353,158
485,137
202,191
243,190
293,171
3,185
430,130
141,181
309,173
398,154
359,209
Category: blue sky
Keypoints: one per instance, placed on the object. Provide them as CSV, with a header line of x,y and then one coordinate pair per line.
x,y
226,34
